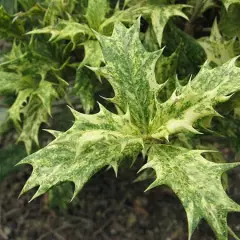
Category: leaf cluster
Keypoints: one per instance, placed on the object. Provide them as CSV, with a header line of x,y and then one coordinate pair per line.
x,y
163,87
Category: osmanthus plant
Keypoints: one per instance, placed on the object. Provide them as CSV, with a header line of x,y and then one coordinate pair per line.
x,y
145,124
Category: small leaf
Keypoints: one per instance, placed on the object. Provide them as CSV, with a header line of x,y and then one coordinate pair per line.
x,y
15,110
92,54
64,29
217,49
197,182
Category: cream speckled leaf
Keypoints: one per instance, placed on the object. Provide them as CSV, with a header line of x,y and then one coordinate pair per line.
x,y
64,29
15,110
195,100
197,182
217,49
93,142
34,115
128,15
130,70
161,15
92,54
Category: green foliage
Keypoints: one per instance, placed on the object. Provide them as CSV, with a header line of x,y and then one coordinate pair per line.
x,y
9,156
159,95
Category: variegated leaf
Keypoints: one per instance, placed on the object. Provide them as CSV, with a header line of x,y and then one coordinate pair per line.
x,y
69,30
197,182
93,142
130,70
195,100
217,49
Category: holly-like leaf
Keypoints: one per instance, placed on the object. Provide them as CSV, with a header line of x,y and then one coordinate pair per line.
x,y
27,75
92,54
34,115
128,16
217,49
69,30
130,70
195,100
106,139
93,142
15,110
197,183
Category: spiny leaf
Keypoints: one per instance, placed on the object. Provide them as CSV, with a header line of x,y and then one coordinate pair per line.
x,y
197,182
195,100
36,112
93,142
92,54
34,115
128,16
130,70
69,30
16,108
217,49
